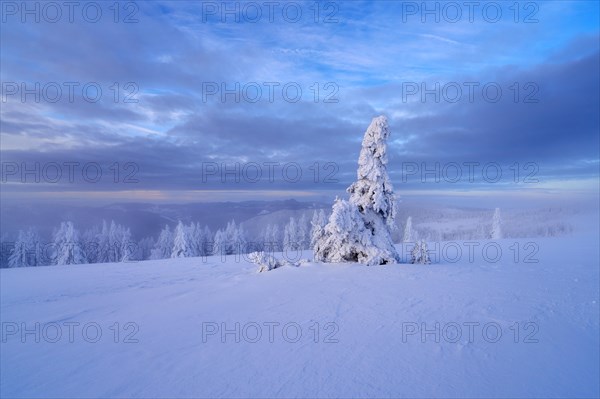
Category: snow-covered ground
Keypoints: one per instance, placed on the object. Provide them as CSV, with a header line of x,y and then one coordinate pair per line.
x,y
362,328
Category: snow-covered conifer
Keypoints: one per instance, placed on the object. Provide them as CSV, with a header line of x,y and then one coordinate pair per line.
x,y
181,245
67,245
164,244
318,222
27,250
420,253
127,246
345,238
372,196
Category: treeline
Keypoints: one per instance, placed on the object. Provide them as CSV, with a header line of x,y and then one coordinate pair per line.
x,y
112,242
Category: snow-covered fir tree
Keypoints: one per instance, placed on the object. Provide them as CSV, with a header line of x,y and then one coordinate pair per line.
x,y
121,246
496,233
164,245
408,231
420,253
181,242
194,233
27,250
345,237
67,246
372,197
318,222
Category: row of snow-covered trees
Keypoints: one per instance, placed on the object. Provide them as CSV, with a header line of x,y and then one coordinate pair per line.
x,y
100,244
191,240
112,242
494,232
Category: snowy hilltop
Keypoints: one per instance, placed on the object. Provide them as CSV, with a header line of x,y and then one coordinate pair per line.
x,y
359,229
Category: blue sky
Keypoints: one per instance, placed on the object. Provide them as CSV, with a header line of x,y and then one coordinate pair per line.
x,y
362,55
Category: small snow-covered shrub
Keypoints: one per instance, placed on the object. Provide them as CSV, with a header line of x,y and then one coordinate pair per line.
x,y
265,262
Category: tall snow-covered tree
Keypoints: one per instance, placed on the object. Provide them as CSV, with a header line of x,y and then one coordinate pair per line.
x,y
373,193
408,231
128,246
496,233
194,234
67,245
164,245
318,222
181,242
420,253
27,250
372,196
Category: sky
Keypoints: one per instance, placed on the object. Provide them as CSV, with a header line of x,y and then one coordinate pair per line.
x,y
210,101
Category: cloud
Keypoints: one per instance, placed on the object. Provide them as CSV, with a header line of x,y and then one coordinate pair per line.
x,y
363,61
